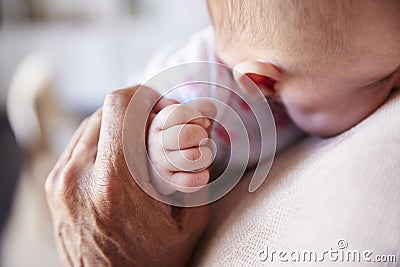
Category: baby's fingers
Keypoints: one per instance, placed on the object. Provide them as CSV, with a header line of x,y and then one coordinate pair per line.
x,y
164,102
205,107
183,136
188,182
189,160
178,114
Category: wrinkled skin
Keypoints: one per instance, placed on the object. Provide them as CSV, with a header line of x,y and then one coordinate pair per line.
x,y
100,215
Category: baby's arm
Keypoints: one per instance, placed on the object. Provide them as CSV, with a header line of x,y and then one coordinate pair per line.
x,y
176,142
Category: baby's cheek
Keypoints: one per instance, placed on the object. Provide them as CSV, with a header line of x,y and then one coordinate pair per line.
x,y
313,121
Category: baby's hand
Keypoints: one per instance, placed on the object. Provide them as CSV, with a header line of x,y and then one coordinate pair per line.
x,y
176,141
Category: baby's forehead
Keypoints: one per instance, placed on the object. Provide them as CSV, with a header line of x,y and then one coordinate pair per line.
x,y
326,25
311,35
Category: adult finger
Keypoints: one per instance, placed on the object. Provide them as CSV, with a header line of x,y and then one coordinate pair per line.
x,y
79,155
110,138
122,136
66,155
85,149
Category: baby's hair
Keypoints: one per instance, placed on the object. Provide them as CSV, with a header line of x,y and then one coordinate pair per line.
x,y
325,25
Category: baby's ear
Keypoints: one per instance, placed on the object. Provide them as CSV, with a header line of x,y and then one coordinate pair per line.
x,y
262,74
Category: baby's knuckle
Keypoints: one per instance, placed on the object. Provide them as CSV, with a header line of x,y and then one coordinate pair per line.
x,y
183,112
186,133
198,178
207,153
201,178
192,132
170,110
191,154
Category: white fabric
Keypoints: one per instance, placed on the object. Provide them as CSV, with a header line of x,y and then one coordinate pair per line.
x,y
318,192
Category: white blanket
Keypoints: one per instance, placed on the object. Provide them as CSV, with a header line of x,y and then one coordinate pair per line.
x,y
340,193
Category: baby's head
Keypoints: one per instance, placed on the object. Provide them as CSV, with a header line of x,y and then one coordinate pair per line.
x,y
330,63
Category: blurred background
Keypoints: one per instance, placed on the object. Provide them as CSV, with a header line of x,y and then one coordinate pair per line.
x,y
58,60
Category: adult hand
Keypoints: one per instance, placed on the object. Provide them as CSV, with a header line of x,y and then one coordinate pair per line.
x,y
100,215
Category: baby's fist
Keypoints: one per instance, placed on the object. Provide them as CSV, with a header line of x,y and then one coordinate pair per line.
x,y
178,145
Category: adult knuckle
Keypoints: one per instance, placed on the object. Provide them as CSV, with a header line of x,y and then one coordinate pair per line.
x,y
61,183
118,97
67,178
49,183
80,148
84,121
